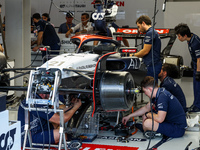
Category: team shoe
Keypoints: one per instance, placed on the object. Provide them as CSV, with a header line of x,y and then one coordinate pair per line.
x,y
194,109
152,134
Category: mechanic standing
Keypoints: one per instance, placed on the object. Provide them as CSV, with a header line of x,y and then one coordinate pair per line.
x,y
144,26
184,34
46,35
168,115
168,72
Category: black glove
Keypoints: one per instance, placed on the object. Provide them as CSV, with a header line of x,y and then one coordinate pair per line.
x,y
197,76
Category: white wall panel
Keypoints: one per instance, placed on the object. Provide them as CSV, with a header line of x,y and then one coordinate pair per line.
x,y
183,12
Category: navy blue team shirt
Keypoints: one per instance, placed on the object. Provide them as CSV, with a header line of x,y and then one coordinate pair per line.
x,y
165,101
64,29
194,48
170,85
49,36
35,126
156,47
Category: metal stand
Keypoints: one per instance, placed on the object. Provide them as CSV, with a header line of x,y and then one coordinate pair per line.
x,y
62,139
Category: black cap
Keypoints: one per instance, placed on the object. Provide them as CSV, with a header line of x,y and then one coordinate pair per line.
x,y
69,15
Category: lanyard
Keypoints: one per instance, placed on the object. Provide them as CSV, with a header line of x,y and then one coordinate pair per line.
x,y
68,27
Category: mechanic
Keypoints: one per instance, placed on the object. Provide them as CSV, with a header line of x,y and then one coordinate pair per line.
x,y
166,76
38,117
168,114
84,27
184,34
45,17
67,25
46,35
144,26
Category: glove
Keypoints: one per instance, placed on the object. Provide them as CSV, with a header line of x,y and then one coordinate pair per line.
x,y
197,76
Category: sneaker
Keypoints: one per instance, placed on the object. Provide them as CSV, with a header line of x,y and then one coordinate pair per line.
x,y
151,134
193,109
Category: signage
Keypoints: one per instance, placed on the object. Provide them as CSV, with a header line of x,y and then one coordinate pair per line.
x,y
135,31
10,135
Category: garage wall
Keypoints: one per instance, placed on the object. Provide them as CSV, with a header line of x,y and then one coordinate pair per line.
x,y
183,12
134,8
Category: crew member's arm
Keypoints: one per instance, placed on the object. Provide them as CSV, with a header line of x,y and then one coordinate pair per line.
x,y
198,64
159,117
197,76
1,48
139,112
125,41
73,29
144,51
39,41
68,33
67,115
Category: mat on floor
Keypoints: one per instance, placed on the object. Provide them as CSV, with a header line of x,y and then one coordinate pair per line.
x,y
86,146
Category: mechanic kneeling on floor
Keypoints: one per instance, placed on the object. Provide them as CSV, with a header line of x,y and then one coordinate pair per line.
x,y
168,114
39,124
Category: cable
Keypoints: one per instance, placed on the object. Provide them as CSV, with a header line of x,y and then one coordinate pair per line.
x,y
155,12
39,117
40,125
48,126
60,9
33,60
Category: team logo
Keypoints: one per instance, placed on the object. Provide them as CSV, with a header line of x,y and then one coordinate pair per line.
x,y
7,140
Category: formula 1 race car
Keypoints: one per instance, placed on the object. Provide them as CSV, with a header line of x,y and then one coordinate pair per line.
x,y
101,75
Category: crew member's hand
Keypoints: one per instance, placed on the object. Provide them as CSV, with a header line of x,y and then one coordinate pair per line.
x,y
197,76
125,120
35,48
1,49
77,103
77,33
67,34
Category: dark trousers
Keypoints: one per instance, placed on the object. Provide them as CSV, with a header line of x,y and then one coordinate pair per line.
x,y
55,47
196,88
150,71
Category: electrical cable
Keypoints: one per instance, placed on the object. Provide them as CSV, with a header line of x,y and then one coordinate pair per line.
x,y
59,9
153,26
48,126
33,60
40,125
39,117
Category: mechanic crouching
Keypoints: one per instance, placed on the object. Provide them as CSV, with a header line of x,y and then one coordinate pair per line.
x,y
43,130
168,115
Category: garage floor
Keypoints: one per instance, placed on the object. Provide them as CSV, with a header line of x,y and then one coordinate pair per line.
x,y
106,137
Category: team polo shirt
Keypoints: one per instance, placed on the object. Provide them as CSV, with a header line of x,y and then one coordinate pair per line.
x,y
65,27
170,85
165,101
35,118
49,36
194,48
156,47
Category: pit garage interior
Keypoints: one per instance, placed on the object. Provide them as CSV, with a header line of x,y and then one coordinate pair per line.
x,y
101,133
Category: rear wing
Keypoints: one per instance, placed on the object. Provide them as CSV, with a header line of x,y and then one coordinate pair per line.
x,y
132,33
